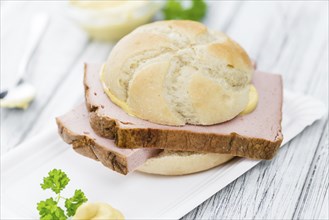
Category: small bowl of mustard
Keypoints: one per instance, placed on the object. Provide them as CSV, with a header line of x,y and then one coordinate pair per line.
x,y
110,20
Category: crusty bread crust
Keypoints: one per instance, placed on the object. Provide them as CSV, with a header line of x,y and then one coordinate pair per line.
x,y
130,135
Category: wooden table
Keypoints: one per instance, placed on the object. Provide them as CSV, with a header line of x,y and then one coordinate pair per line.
x,y
290,38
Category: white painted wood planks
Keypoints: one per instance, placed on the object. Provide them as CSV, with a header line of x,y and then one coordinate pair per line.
x,y
290,38
278,189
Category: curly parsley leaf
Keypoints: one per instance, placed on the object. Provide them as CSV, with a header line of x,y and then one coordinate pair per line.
x,y
56,181
49,210
74,202
175,10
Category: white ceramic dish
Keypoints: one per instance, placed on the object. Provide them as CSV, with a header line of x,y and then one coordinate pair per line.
x,y
137,196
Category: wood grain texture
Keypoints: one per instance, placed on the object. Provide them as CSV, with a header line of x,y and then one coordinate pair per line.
x,y
70,92
290,38
314,197
59,49
276,36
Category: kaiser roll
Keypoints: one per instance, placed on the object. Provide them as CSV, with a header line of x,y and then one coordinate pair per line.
x,y
179,72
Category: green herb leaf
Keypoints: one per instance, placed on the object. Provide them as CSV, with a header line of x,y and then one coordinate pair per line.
x,y
74,202
56,181
175,10
48,210
172,10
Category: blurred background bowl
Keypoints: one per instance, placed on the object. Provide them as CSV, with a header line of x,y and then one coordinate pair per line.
x,y
111,20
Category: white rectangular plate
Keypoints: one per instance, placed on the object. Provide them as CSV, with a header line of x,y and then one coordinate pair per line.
x,y
137,196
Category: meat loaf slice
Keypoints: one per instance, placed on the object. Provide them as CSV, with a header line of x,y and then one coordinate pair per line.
x,y
75,129
256,135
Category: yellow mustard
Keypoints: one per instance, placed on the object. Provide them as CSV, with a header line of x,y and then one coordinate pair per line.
x,y
96,4
19,97
253,101
123,105
100,211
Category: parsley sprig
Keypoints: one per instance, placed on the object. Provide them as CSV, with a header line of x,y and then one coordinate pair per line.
x,y
49,209
174,9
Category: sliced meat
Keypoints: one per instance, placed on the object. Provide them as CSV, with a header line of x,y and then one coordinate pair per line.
x,y
256,135
75,129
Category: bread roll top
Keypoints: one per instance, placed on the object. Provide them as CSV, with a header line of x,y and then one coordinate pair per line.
x,y
179,72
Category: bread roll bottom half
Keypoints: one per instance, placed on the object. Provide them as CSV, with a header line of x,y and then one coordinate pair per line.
x,y
173,163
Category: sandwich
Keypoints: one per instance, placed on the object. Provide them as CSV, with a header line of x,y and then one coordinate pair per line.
x,y
175,98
